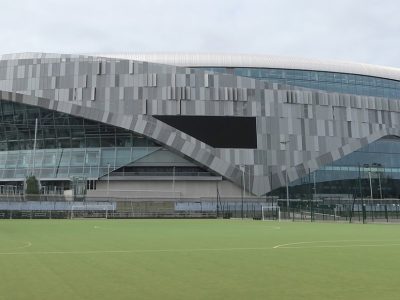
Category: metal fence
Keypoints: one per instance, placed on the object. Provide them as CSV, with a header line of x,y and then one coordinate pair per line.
x,y
324,209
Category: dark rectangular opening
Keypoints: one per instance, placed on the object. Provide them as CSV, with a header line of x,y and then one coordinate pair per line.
x,y
217,131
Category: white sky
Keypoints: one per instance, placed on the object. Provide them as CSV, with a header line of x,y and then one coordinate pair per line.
x,y
354,30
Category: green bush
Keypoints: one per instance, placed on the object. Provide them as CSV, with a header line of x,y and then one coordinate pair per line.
x,y
32,185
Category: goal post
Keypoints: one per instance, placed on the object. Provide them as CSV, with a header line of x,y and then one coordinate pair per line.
x,y
91,210
270,212
314,216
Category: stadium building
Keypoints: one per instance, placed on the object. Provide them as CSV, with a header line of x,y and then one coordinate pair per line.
x,y
192,126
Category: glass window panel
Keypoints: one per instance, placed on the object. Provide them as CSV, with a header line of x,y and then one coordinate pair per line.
x,y
104,170
49,144
76,171
25,159
3,158
49,132
50,159
7,108
123,156
63,132
62,172
108,141
64,143
38,157
12,159
13,145
22,173
78,143
77,158
92,158
92,171
9,173
93,142
65,158
75,121
123,140
47,172
107,157
77,132
140,142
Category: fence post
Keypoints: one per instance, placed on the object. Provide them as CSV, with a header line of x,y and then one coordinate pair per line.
x,y
386,213
373,212
293,213
364,213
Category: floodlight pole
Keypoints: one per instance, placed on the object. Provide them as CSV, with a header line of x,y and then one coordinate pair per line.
x,y
380,185
361,195
315,185
286,177
370,184
173,181
243,191
34,147
108,179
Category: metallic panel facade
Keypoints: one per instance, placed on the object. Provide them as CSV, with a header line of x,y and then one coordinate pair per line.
x,y
296,127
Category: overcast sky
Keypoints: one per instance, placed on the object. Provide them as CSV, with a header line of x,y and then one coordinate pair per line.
x,y
351,30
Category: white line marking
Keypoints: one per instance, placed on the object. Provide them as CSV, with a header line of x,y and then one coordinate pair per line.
x,y
282,246
290,245
133,251
27,245
343,246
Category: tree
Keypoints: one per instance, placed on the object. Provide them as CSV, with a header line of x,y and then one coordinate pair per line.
x,y
32,185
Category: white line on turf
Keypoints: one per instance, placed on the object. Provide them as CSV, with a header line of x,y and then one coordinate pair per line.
x,y
342,246
283,246
23,246
27,245
132,251
299,245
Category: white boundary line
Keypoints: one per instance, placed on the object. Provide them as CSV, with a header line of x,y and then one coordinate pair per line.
x,y
293,245
343,246
25,245
281,246
133,251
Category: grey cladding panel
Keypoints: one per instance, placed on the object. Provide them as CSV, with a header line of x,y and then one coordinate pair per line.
x,y
320,126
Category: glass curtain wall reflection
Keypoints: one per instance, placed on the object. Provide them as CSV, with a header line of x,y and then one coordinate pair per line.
x,y
325,81
66,146
376,165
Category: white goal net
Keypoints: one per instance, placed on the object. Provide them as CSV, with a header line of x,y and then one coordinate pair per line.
x,y
306,215
88,210
271,212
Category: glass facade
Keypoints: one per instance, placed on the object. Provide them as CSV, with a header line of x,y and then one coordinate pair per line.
x,y
63,164
374,167
326,81
57,130
66,146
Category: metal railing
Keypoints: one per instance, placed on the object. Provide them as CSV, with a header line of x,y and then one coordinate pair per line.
x,y
53,206
170,174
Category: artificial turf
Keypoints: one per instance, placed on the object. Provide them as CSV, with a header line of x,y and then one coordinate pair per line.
x,y
197,259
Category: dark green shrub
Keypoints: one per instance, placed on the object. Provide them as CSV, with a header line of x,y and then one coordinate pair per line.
x,y
32,185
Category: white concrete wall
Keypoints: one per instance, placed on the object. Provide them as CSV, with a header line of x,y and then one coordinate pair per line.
x,y
182,189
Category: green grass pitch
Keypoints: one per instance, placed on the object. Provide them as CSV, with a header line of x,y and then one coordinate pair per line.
x,y
197,259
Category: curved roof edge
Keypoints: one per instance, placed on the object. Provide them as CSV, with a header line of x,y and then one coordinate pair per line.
x,y
230,60
259,61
